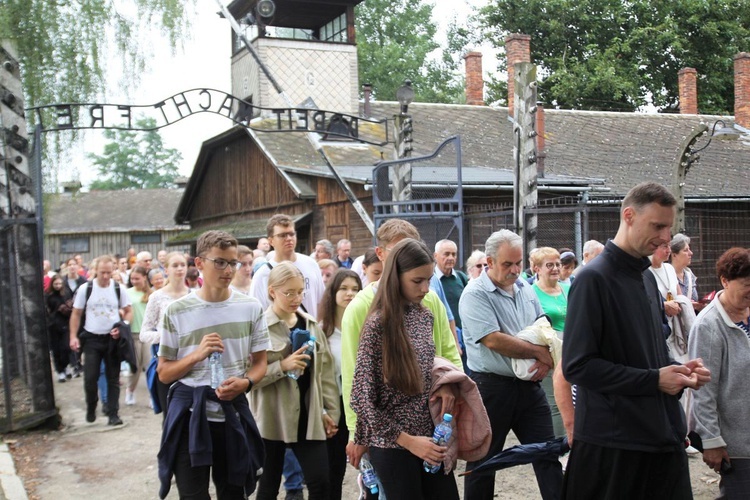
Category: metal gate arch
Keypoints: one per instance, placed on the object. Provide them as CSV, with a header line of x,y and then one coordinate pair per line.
x,y
436,204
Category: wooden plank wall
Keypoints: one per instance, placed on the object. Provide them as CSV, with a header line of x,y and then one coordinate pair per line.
x,y
106,243
240,179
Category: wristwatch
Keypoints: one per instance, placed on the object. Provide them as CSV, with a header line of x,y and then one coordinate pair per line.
x,y
250,383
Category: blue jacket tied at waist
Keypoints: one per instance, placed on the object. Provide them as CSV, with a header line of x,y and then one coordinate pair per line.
x,y
244,445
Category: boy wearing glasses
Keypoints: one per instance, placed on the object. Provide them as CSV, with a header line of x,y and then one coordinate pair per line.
x,y
283,238
209,428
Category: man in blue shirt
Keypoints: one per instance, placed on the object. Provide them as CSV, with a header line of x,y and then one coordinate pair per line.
x,y
494,307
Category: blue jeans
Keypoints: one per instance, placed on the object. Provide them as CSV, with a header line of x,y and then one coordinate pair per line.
x,y
102,383
293,477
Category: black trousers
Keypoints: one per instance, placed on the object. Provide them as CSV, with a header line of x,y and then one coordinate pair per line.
x,y
520,406
312,457
59,344
403,477
597,472
96,348
337,456
192,482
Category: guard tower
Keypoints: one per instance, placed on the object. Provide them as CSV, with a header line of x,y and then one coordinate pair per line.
x,y
308,46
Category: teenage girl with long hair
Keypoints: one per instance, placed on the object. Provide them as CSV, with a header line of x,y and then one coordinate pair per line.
x,y
139,291
339,292
157,304
300,414
392,380
57,300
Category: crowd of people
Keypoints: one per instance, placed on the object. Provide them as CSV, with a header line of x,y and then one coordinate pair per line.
x,y
329,359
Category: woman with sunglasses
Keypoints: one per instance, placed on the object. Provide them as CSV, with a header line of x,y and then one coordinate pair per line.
x,y
553,297
475,264
300,414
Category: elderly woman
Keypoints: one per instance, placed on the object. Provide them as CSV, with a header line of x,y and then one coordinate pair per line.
x,y
682,256
475,264
553,297
721,409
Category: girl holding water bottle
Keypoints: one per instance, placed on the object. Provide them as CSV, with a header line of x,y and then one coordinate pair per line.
x,y
392,381
296,413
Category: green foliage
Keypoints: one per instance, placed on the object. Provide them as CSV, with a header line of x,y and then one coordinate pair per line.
x,y
64,47
135,160
611,55
394,39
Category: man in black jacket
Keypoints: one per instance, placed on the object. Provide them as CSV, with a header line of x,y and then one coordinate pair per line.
x,y
629,427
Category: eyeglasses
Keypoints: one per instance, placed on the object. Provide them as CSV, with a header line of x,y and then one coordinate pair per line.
x,y
294,295
480,266
552,265
283,236
222,264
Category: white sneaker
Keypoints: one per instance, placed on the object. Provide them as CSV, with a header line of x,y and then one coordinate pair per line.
x,y
61,377
129,397
691,451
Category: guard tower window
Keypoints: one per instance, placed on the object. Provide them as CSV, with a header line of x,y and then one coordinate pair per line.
x,y
334,31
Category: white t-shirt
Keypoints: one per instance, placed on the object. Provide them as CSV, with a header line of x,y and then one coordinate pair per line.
x,y
102,309
314,287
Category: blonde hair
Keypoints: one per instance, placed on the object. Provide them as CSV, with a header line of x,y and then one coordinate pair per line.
x,y
280,274
543,253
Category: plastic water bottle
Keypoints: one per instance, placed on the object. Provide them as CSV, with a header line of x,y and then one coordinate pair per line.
x,y
441,436
297,373
369,478
217,369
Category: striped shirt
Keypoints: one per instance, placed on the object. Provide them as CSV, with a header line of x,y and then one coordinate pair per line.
x,y
239,321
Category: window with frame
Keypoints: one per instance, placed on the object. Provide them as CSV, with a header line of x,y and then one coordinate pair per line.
x,y
334,31
74,244
144,239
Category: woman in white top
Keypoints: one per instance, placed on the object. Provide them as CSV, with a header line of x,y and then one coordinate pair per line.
x,y
244,275
339,292
157,304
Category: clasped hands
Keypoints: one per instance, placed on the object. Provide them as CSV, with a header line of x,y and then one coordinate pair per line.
x,y
692,375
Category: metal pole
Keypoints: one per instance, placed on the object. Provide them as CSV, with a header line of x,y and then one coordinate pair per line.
x,y
311,136
684,160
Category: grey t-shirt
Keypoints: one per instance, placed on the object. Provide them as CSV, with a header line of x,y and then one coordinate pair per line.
x,y
484,308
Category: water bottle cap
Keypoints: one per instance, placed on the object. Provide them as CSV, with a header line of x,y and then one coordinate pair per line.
x,y
374,490
447,417
312,337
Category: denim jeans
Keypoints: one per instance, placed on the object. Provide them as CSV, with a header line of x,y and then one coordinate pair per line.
x,y
293,477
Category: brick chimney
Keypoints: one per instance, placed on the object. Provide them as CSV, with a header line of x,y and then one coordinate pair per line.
x,y
474,80
688,88
742,89
517,49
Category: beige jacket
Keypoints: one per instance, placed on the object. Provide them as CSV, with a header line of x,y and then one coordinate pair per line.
x,y
275,399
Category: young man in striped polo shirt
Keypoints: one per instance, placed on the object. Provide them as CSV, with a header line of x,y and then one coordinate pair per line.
x,y
207,428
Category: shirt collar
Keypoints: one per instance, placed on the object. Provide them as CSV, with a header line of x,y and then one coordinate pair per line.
x,y
620,258
440,274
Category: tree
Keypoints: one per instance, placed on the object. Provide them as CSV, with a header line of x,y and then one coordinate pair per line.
x,y
64,46
135,160
394,40
614,55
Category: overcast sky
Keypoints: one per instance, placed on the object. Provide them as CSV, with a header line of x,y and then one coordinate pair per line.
x,y
204,63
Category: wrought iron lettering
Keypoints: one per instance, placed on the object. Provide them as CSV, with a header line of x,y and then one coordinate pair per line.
x,y
75,116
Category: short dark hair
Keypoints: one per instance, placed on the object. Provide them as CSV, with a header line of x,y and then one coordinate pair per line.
x,y
646,193
278,220
214,239
734,264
